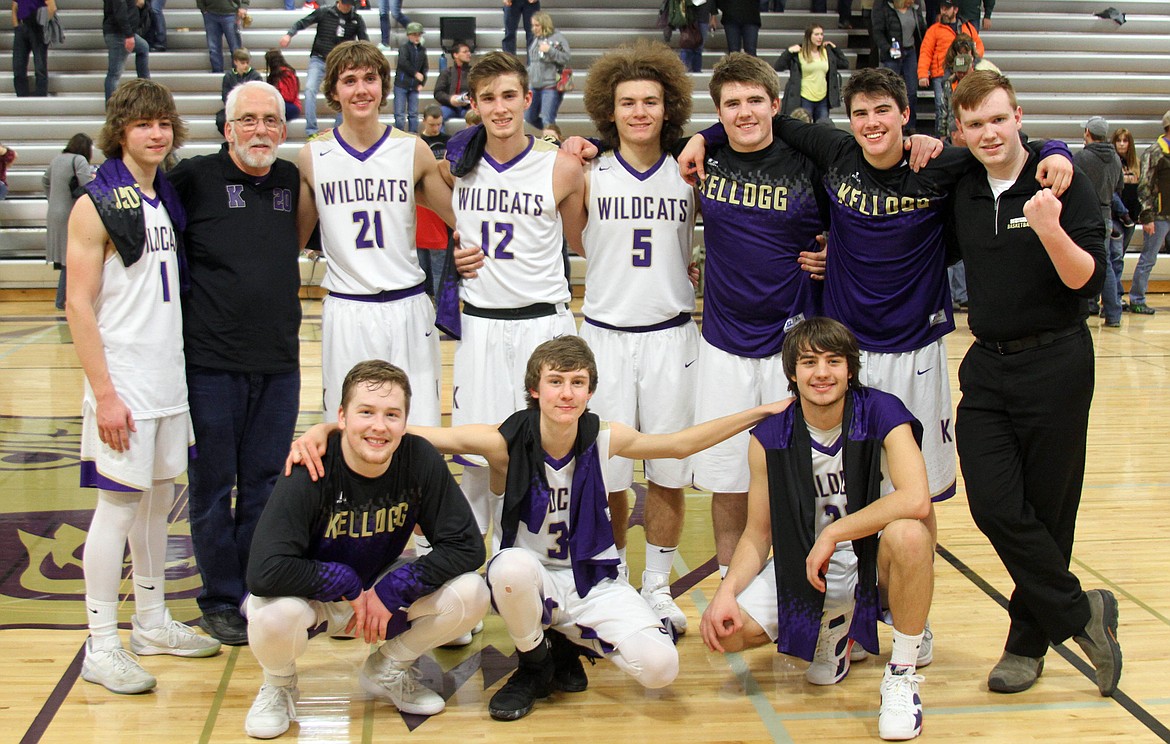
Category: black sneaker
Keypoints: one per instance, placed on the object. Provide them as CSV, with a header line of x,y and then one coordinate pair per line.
x,y
568,671
227,626
531,681
1141,308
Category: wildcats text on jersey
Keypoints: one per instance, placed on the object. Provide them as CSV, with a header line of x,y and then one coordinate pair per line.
x,y
758,195
499,200
347,191
643,208
159,238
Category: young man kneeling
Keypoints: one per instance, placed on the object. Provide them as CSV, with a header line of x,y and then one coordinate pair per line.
x,y
841,547
327,550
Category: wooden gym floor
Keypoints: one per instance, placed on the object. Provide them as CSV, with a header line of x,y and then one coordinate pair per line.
x,y
1122,544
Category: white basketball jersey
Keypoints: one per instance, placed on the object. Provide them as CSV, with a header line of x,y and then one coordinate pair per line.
x,y
638,243
551,543
828,475
365,205
140,320
509,210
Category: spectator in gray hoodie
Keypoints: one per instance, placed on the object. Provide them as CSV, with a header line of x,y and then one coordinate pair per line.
x,y
1100,162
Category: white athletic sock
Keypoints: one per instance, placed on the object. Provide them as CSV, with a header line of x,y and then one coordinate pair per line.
x,y
103,623
659,560
723,571
149,600
905,652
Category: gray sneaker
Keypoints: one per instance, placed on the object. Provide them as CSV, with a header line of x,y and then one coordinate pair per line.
x,y
117,670
1099,641
1014,673
272,711
172,637
398,683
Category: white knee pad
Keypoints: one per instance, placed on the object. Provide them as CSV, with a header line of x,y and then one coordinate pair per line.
x,y
513,569
650,657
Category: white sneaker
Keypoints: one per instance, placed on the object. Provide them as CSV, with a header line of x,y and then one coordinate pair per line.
x,y
900,717
172,637
272,711
116,669
466,638
830,661
926,648
656,593
857,652
386,679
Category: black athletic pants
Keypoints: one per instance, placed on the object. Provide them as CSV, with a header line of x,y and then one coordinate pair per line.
x,y
1021,431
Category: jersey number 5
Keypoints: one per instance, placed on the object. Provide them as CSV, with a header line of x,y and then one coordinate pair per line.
x,y
641,251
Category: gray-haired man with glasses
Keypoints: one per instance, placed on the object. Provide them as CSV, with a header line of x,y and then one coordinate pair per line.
x,y
240,321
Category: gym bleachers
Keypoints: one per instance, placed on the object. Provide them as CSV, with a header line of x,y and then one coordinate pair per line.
x,y
1066,64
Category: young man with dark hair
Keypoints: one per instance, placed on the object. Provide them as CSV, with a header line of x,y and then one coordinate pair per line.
x,y
844,536
1033,260
363,180
329,549
451,88
762,215
124,253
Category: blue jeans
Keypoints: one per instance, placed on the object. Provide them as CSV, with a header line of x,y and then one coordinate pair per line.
x,y
1141,275
844,8
388,9
432,262
59,302
692,59
957,278
313,78
817,110
741,37
406,108
519,9
1114,264
217,25
117,59
243,425
450,112
28,40
907,67
160,24
543,111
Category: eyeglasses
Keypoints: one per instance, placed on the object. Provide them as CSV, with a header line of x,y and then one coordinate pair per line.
x,y
250,123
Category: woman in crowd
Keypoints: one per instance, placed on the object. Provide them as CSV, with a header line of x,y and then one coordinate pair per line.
x,y
548,56
63,181
814,78
283,77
